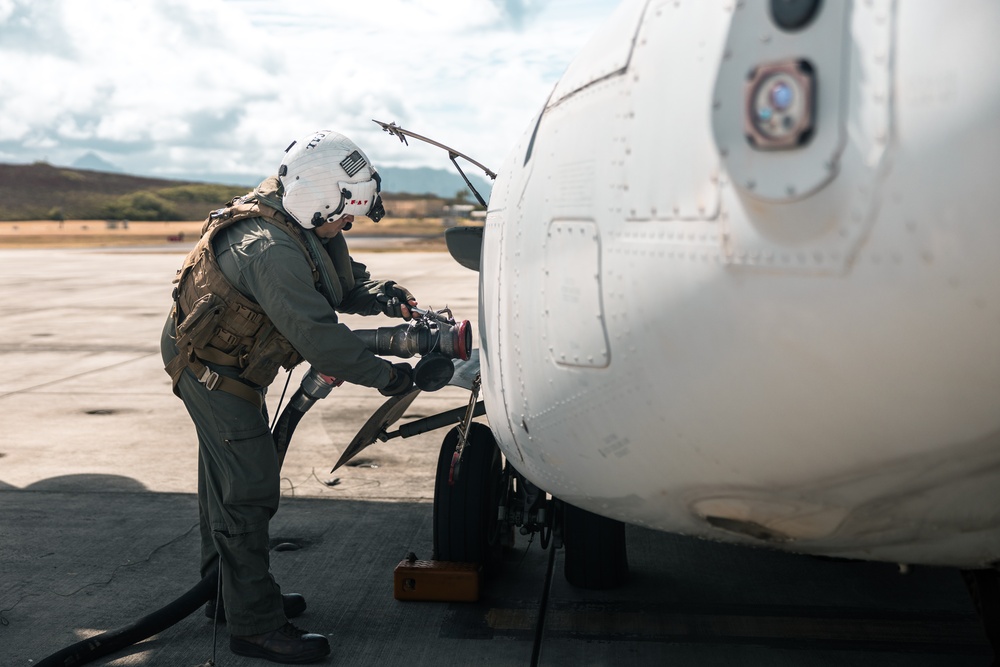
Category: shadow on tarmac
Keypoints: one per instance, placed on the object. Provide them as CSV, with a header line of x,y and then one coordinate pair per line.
x,y
86,483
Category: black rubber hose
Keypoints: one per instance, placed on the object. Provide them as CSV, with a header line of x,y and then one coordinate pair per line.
x,y
112,641
289,419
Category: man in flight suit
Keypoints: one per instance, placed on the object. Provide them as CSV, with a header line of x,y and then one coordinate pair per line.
x,y
261,291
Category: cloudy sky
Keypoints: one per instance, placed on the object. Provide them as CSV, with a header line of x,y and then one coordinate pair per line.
x,y
191,88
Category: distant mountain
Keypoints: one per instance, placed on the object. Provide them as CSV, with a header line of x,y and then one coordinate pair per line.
x,y
43,191
425,180
442,183
94,162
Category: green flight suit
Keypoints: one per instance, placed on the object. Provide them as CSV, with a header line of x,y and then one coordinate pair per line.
x,y
238,468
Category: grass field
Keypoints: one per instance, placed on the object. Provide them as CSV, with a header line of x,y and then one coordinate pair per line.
x,y
102,233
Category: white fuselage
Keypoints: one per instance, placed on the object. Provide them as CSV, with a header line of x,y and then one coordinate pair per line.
x,y
794,348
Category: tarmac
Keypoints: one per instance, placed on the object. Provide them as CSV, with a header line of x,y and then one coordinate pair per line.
x,y
98,518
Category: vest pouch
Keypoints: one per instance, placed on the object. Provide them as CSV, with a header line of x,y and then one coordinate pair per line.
x,y
271,352
198,326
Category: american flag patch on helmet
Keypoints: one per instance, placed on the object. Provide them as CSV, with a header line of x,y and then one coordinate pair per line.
x,y
352,163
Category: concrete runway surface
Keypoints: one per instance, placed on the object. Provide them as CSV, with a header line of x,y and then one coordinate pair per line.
x,y
98,518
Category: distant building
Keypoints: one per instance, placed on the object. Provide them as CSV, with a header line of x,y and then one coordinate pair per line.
x,y
414,207
455,213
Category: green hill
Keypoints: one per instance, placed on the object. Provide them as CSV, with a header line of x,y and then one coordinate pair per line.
x,y
41,191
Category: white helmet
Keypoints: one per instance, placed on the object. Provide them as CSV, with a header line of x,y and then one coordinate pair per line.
x,y
325,177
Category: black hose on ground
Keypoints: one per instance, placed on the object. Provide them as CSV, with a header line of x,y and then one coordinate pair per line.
x,y
113,641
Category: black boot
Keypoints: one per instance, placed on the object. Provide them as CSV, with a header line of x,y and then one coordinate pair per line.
x,y
293,603
288,644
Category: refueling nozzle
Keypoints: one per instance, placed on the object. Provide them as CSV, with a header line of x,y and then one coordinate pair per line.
x,y
421,336
434,335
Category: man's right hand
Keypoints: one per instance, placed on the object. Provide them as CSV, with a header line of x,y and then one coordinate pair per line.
x,y
400,380
396,300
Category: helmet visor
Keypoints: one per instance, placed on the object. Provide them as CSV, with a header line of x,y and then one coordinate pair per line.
x,y
360,199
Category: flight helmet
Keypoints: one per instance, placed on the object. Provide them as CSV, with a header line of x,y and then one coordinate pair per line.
x,y
325,177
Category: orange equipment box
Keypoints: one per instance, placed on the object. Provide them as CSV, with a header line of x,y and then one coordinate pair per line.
x,y
436,580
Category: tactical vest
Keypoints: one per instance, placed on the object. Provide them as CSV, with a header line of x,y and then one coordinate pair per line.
x,y
217,323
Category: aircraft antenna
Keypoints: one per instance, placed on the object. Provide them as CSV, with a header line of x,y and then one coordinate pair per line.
x,y
397,131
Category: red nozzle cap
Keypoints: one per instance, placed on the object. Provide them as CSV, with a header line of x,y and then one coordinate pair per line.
x,y
464,334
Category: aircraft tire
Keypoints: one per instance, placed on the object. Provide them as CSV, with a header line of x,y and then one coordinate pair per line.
x,y
465,513
984,587
595,556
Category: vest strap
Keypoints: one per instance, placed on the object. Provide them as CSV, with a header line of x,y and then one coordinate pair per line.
x,y
218,357
212,380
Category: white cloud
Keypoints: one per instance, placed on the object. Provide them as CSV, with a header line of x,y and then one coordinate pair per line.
x,y
202,86
6,9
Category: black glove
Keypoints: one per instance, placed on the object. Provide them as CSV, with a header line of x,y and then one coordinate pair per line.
x,y
393,297
400,380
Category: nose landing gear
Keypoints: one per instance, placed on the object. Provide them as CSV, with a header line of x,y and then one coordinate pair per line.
x,y
466,523
477,511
